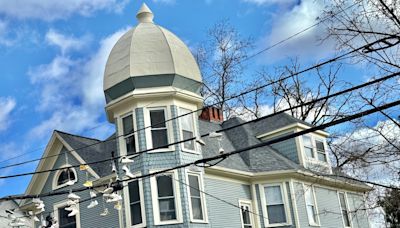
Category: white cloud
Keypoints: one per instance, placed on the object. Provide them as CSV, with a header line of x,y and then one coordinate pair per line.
x,y
305,45
7,105
4,34
64,42
71,92
52,10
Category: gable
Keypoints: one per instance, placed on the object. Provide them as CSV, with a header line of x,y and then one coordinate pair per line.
x,y
50,156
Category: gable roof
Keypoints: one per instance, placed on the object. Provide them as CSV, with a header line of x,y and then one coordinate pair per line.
x,y
92,150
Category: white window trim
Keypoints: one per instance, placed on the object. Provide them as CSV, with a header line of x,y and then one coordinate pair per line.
x,y
168,124
195,151
154,194
285,202
58,205
347,209
202,196
309,187
57,175
121,133
250,204
127,204
315,160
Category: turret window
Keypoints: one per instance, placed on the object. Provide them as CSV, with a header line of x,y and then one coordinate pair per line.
x,y
129,134
159,133
187,128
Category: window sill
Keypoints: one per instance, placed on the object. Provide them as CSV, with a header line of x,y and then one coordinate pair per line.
x,y
278,224
63,185
141,225
163,150
198,221
190,151
316,161
157,223
314,225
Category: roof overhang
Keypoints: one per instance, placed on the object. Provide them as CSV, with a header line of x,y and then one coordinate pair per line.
x,y
295,126
285,174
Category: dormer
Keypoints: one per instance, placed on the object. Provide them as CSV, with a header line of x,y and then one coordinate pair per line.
x,y
309,150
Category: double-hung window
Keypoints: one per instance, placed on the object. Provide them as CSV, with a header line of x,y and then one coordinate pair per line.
x,y
61,215
129,135
245,213
196,197
135,203
320,150
345,211
308,146
187,128
310,205
159,131
275,204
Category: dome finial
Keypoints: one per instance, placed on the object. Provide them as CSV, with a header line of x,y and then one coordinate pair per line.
x,y
144,14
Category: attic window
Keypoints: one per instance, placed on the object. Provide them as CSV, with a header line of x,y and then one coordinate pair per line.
x,y
62,178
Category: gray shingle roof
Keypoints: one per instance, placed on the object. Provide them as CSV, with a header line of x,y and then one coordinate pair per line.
x,y
99,151
275,122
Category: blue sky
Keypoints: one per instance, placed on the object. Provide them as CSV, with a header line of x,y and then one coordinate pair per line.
x,y
53,55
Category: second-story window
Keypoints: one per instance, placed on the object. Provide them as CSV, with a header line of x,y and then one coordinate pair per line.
x,y
310,205
187,128
159,133
275,204
129,135
320,150
308,146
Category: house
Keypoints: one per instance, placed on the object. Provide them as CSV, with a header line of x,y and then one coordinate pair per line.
x,y
151,86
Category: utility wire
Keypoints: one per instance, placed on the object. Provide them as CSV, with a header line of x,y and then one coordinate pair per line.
x,y
222,130
247,58
226,155
229,98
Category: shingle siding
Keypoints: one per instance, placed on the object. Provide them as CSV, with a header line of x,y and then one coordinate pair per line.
x,y
89,217
287,148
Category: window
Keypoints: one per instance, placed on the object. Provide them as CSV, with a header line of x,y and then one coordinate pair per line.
x,y
310,205
196,198
64,221
308,147
135,203
275,204
314,148
166,199
320,150
343,207
64,177
61,215
129,136
159,134
246,216
187,128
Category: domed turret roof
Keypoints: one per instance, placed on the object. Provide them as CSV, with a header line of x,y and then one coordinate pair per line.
x,y
148,50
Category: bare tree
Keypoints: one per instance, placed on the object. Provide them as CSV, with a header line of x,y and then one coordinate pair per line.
x,y
221,61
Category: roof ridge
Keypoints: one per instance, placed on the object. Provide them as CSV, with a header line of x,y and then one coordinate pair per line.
x,y
79,136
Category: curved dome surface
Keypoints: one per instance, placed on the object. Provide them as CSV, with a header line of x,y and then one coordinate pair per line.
x,y
149,50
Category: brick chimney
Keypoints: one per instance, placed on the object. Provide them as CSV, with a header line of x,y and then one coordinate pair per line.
x,y
212,114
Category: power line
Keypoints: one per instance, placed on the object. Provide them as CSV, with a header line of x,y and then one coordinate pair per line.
x,y
226,155
211,105
249,57
222,130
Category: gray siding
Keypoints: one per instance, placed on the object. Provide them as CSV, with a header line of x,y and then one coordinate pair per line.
x,y
88,217
287,148
222,214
